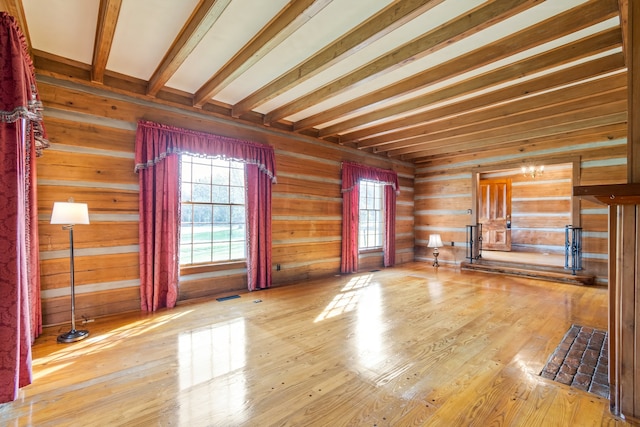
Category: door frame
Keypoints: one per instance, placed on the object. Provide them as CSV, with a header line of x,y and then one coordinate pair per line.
x,y
575,162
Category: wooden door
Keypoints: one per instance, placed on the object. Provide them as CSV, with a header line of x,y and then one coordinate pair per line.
x,y
495,213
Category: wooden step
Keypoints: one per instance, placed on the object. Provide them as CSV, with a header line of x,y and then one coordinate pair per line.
x,y
553,274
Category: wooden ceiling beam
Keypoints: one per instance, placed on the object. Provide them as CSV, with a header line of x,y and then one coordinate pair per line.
x,y
523,146
552,81
531,106
571,121
291,18
561,25
526,144
461,27
105,29
536,109
378,26
200,22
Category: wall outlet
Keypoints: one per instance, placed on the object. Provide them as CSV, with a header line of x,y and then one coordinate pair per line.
x,y
277,267
452,243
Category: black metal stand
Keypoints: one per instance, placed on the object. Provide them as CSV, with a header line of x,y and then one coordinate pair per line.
x,y
572,248
73,335
474,240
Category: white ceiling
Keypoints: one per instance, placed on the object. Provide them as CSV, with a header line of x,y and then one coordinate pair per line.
x,y
146,29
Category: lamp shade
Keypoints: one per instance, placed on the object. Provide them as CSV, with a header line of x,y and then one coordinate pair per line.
x,y
70,213
434,241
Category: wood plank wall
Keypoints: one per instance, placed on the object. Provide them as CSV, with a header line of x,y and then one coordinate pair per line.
x,y
91,159
443,195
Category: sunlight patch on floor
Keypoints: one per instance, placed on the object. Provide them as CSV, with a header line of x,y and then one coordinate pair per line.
x,y
347,299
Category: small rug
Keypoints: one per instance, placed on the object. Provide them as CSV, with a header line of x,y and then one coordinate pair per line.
x,y
581,361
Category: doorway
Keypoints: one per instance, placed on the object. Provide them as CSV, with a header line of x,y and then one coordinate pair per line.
x,y
523,215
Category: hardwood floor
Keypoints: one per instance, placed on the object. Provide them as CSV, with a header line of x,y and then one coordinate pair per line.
x,y
407,346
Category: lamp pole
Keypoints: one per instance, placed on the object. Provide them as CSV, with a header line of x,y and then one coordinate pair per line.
x,y
73,335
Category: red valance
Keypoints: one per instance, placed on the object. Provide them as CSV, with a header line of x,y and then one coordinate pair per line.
x,y
354,172
168,139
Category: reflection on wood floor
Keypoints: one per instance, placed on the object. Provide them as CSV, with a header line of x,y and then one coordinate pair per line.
x,y
410,345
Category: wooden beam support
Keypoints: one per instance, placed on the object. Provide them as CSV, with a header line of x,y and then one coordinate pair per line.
x,y
606,89
468,24
292,17
105,29
200,22
545,82
381,24
561,25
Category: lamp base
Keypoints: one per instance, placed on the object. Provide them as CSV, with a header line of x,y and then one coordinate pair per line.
x,y
435,261
73,336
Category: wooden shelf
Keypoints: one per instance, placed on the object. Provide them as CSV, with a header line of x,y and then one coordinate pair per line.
x,y
613,194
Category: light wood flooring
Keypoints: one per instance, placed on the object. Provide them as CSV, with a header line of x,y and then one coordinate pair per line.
x,y
406,346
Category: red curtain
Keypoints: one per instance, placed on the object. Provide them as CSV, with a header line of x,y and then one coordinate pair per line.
x,y
22,137
352,173
158,232
258,228
155,145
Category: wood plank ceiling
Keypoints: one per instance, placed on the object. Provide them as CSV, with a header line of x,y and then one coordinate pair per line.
x,y
418,80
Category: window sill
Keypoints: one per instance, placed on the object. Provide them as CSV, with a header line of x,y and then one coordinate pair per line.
x,y
204,268
369,251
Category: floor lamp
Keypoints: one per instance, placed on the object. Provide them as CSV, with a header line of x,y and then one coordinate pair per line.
x,y
70,214
435,242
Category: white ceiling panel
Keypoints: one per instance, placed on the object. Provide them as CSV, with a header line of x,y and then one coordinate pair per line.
x,y
63,27
145,31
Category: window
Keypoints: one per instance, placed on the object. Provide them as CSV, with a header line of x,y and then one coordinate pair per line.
x,y
213,227
371,222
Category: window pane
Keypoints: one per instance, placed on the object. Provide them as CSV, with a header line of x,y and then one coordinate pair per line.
x,y
186,216
185,192
222,214
221,252
237,177
238,232
202,233
238,250
237,195
186,234
201,193
221,234
201,253
185,254
201,173
220,194
202,214
220,175
185,169
237,215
